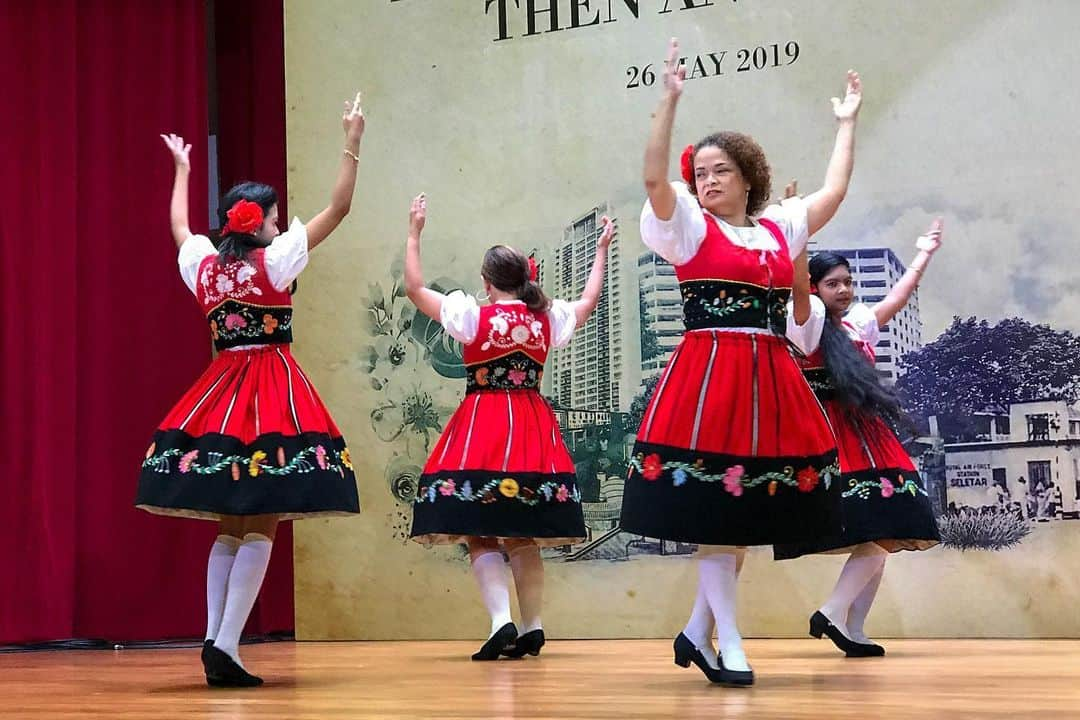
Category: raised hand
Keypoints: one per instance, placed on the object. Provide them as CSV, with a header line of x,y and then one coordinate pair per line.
x,y
791,189
417,215
674,72
352,120
931,241
181,152
604,241
848,108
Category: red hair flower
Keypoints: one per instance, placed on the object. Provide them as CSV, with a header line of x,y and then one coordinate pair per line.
x,y
687,164
243,217
534,270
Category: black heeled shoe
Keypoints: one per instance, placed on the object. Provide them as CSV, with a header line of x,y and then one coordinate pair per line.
x,y
527,644
223,671
740,678
686,652
821,625
497,644
867,650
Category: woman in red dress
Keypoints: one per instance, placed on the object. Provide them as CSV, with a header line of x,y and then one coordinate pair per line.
x,y
733,449
500,474
251,443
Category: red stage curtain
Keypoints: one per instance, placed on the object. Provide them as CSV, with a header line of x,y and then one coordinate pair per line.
x,y
99,334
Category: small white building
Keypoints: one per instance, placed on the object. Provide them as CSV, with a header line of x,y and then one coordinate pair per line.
x,y
576,419
1030,459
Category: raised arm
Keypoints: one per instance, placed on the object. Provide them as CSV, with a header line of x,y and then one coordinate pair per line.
x,y
658,150
178,206
823,204
320,226
425,299
800,289
584,307
898,297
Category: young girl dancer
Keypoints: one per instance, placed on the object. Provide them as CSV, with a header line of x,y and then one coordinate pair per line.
x,y
884,505
733,449
250,443
500,474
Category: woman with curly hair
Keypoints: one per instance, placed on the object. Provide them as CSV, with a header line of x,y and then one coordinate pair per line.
x,y
733,449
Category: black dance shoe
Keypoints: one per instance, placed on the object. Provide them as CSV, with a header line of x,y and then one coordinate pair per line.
x,y
741,678
528,644
867,650
498,643
223,671
686,652
821,625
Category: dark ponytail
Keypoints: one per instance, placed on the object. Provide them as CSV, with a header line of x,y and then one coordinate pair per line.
x,y
534,297
509,271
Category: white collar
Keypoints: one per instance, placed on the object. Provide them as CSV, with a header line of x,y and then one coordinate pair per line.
x,y
753,223
753,237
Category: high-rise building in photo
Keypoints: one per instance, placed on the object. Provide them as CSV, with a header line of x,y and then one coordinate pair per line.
x,y
587,374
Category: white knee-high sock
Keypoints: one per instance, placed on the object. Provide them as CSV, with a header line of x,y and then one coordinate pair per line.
x,y
218,567
861,608
248,571
701,626
528,569
865,562
719,580
490,572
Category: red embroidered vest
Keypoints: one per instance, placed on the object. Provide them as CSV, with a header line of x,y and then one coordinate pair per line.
x,y
510,348
241,305
727,285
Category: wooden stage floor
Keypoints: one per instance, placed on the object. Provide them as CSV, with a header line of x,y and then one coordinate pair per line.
x,y
797,680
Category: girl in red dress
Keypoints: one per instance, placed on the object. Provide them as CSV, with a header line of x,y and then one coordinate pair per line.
x,y
733,449
500,474
883,502
251,443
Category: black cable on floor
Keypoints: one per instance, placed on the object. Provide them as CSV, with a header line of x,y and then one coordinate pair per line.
x,y
103,644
